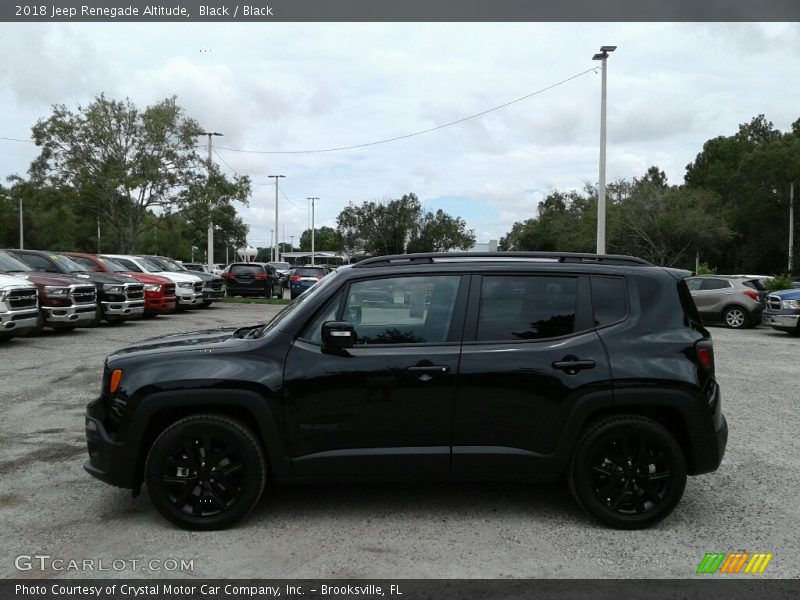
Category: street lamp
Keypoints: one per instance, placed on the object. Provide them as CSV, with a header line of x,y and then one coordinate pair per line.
x,y
601,192
312,199
210,251
276,177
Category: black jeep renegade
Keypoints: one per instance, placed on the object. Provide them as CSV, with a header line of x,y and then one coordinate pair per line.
x,y
523,366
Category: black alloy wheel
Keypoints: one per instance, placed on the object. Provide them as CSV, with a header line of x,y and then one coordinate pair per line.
x,y
205,472
628,471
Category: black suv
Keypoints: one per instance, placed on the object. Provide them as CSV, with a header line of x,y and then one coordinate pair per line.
x,y
520,366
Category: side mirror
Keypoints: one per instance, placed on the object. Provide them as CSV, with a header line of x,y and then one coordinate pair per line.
x,y
338,335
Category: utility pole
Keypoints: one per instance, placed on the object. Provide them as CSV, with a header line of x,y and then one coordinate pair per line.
x,y
210,236
791,225
312,199
601,191
291,246
21,235
276,177
270,244
98,235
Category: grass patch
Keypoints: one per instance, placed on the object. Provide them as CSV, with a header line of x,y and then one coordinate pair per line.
x,y
240,300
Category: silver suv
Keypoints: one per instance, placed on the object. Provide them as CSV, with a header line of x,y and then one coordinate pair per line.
x,y
733,300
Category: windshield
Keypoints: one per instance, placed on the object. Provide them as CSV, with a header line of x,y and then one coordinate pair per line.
x,y
283,266
176,266
292,306
9,264
67,264
112,265
161,264
149,266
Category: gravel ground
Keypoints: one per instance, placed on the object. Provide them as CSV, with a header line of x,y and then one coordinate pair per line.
x,y
48,505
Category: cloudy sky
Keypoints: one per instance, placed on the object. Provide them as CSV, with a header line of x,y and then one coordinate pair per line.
x,y
280,87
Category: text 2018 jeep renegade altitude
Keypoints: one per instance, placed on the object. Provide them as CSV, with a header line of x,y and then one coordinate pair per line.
x,y
523,366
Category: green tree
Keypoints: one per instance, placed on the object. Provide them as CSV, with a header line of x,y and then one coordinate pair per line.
x,y
439,232
326,239
123,164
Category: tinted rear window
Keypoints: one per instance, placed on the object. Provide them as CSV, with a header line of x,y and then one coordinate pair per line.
x,y
247,269
608,300
755,284
309,272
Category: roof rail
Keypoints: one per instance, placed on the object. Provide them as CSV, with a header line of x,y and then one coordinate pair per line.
x,y
562,257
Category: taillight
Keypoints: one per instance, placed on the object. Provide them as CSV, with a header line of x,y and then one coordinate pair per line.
x,y
228,275
705,354
751,294
295,278
260,276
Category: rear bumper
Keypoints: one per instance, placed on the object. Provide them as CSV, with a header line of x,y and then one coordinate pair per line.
x,y
77,314
709,448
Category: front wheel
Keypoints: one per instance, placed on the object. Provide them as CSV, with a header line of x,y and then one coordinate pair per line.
x,y
628,471
736,317
205,472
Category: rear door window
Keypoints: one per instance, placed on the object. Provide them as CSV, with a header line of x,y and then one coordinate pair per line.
x,y
609,300
715,284
521,307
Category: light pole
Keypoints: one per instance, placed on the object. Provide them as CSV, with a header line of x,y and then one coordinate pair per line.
x,y
210,243
291,244
312,199
601,192
193,249
791,225
276,177
21,236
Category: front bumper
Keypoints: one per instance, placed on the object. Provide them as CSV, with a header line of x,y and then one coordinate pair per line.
x,y
163,304
129,308
105,454
781,321
191,299
211,295
18,321
77,314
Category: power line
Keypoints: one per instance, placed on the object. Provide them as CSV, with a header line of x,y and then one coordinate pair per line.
x,y
289,200
10,139
421,132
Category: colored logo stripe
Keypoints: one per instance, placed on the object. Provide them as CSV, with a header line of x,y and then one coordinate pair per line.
x,y
722,562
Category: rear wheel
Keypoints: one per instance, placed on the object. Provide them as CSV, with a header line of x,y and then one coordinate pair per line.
x,y
736,317
629,472
205,472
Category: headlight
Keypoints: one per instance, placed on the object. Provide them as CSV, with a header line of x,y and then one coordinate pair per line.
x,y
56,292
113,289
152,287
186,284
3,294
791,304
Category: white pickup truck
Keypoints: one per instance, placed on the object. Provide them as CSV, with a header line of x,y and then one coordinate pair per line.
x,y
19,306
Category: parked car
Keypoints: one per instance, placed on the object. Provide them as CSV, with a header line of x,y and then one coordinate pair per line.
x,y
65,302
119,297
19,307
200,267
303,278
159,292
732,300
523,366
252,279
282,268
188,288
212,284
783,311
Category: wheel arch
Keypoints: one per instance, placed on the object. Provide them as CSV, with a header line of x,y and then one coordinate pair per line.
x,y
158,411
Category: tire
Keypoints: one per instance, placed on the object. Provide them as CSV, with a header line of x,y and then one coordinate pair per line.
x,y
607,472
735,317
205,305
199,502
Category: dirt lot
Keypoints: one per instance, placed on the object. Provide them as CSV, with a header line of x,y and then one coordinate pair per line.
x,y
48,505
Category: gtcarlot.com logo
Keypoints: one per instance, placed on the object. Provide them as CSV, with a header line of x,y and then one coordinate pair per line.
x,y
45,562
734,563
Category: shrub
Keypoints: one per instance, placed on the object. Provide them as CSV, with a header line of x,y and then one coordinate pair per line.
x,y
779,282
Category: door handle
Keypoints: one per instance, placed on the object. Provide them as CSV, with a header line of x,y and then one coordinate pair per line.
x,y
571,365
427,372
431,369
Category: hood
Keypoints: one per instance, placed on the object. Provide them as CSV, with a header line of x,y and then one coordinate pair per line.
x,y
41,278
10,281
101,278
793,294
196,341
148,278
178,277
202,275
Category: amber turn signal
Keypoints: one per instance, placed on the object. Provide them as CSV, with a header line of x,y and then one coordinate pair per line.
x,y
116,377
